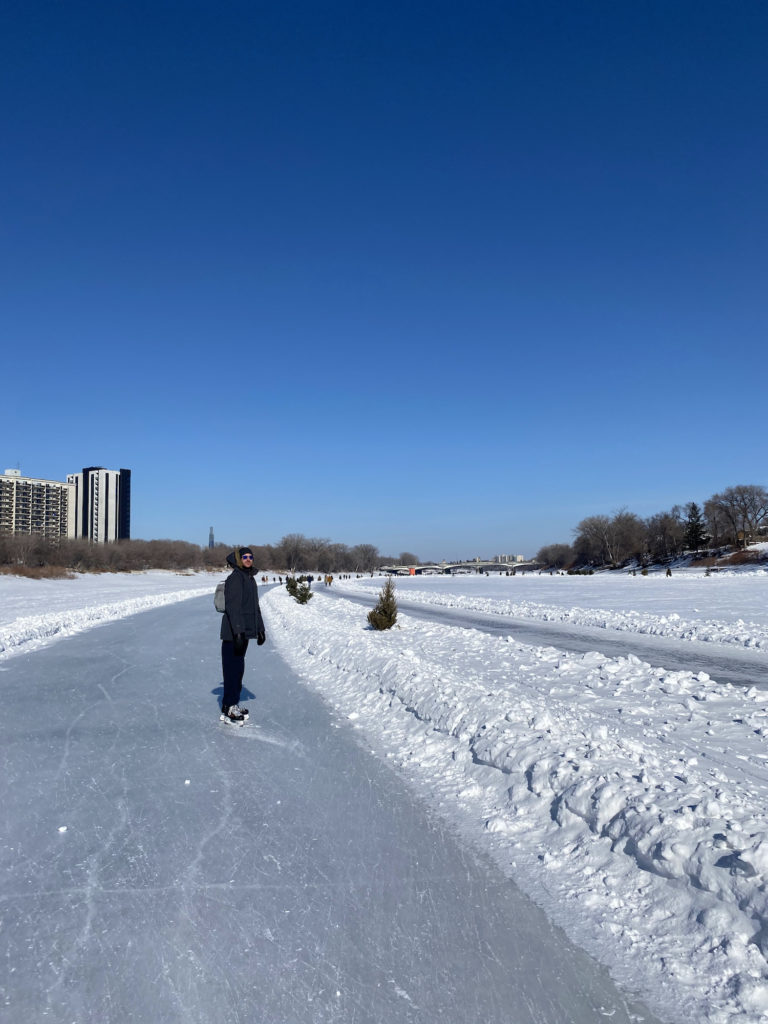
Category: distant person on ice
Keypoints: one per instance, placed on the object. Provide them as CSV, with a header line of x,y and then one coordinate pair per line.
x,y
240,622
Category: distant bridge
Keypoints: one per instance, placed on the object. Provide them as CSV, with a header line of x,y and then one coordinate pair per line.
x,y
454,568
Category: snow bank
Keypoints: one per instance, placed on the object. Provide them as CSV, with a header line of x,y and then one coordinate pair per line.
x,y
628,801
72,606
653,605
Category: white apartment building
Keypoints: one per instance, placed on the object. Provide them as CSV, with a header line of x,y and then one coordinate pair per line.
x,y
94,504
29,505
101,504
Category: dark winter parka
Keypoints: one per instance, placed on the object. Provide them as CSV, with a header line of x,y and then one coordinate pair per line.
x,y
241,597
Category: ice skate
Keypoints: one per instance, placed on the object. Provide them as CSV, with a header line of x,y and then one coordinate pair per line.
x,y
232,714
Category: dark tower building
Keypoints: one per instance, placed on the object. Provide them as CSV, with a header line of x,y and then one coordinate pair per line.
x,y
210,538
124,505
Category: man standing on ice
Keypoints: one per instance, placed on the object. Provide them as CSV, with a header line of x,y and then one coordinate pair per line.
x,y
240,622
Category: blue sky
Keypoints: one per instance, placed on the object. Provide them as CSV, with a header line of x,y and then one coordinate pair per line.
x,y
443,278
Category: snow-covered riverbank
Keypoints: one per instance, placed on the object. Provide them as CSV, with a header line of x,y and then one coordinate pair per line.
x,y
728,608
33,612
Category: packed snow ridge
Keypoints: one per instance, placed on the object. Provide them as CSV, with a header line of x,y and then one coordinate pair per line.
x,y
86,601
743,634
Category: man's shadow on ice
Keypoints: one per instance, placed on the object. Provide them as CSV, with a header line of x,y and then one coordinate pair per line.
x,y
218,692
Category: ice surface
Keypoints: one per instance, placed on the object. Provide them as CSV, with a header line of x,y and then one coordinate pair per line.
x,y
626,795
158,866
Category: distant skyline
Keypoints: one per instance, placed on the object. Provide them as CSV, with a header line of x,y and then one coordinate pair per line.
x,y
444,279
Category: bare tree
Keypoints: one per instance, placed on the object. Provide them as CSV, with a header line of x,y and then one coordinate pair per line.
x,y
717,524
665,533
292,551
556,556
341,559
316,553
627,536
743,509
592,540
609,540
408,558
365,558
216,557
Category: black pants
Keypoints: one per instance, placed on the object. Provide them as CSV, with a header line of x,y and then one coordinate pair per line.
x,y
233,667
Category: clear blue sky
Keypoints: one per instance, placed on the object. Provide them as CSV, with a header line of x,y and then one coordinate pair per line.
x,y
439,277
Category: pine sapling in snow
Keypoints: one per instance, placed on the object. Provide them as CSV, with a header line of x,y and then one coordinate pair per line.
x,y
383,616
695,535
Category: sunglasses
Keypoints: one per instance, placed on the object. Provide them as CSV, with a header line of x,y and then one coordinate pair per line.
x,y
247,558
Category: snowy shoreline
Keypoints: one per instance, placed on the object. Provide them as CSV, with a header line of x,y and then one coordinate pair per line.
x,y
673,600
88,600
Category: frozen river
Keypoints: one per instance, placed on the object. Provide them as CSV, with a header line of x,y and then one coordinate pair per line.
x,y
160,867
734,665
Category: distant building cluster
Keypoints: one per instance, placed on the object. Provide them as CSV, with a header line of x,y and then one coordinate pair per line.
x,y
509,559
94,504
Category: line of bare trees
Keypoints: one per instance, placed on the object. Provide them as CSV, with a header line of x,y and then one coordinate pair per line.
x,y
736,517
292,552
318,554
295,552
33,551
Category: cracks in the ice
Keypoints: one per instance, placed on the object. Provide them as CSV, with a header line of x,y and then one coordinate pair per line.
x,y
63,763
89,893
174,888
67,744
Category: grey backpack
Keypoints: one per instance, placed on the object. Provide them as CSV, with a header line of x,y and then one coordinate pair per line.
x,y
218,597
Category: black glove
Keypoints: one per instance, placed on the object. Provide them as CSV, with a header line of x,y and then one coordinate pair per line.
x,y
240,643
261,637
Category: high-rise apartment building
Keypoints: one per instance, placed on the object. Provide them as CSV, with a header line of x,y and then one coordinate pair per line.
x,y
95,504
101,504
33,506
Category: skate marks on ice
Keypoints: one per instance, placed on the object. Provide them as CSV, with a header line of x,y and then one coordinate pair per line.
x,y
257,731
255,728
202,881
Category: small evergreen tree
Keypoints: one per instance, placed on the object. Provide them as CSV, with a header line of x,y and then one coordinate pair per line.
x,y
695,533
383,616
298,589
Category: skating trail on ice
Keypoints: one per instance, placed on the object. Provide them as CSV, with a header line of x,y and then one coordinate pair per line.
x,y
158,866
